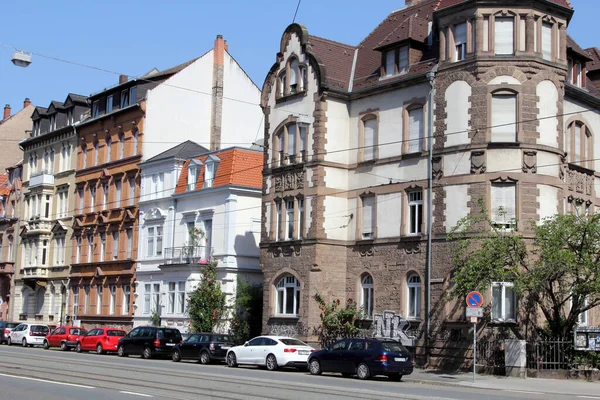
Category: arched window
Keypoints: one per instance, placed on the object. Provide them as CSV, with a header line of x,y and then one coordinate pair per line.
x,y
413,301
288,296
578,145
366,302
293,78
290,144
294,75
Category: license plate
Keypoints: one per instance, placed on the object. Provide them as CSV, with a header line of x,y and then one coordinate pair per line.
x,y
170,344
303,352
400,359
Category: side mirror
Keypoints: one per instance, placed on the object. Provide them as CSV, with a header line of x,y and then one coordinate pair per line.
x,y
246,344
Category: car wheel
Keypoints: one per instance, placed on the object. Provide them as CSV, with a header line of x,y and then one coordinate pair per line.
x,y
176,356
147,353
315,367
9,341
346,374
205,357
63,346
231,360
78,347
99,349
395,377
24,342
363,371
46,345
121,351
271,362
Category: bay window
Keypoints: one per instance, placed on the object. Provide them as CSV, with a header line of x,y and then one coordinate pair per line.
x,y
504,35
504,117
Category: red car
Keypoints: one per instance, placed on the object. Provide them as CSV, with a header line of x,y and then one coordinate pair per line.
x,y
65,337
100,340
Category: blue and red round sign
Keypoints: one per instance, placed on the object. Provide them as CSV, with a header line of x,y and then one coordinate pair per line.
x,y
474,300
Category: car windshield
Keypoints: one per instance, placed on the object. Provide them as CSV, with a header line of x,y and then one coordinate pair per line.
x,y
292,342
221,338
394,347
39,328
115,333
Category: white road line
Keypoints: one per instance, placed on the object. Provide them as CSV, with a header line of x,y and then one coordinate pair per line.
x,y
522,391
135,394
47,381
589,397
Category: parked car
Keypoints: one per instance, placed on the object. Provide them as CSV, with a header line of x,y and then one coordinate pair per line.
x,y
65,337
149,341
100,340
270,351
5,329
28,335
363,357
205,347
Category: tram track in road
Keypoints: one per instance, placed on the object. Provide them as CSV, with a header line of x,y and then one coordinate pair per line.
x,y
228,386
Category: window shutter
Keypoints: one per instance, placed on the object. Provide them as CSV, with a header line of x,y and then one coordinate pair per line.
x,y
504,118
503,35
370,130
390,62
415,130
368,216
547,41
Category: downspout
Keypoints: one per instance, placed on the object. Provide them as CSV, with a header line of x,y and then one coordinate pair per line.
x,y
431,77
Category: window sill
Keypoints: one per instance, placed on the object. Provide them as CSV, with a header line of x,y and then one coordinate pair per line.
x,y
414,319
511,322
290,96
504,144
412,236
285,316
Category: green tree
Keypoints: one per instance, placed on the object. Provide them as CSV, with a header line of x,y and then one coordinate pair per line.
x,y
206,304
337,321
556,267
246,321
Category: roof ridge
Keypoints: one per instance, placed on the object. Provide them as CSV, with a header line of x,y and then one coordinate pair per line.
x,y
332,41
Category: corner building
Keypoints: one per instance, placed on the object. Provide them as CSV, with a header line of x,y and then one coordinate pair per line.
x,y
374,153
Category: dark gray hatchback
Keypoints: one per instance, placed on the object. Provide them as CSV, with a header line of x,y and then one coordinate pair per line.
x,y
149,341
5,329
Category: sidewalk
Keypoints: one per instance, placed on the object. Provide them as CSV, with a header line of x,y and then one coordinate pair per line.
x,y
571,387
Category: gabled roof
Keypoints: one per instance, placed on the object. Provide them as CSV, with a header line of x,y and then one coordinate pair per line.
x,y
182,151
337,58
237,167
39,111
449,3
594,54
76,98
574,47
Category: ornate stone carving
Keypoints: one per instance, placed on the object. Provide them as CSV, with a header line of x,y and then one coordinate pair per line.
x,y
289,181
365,250
437,167
530,162
478,162
278,184
412,247
286,250
580,182
562,167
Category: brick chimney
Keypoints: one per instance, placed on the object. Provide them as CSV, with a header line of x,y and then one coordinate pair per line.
x,y
122,79
6,111
26,102
409,3
217,92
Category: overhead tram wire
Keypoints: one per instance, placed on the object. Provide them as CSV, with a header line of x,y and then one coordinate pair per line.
x,y
296,12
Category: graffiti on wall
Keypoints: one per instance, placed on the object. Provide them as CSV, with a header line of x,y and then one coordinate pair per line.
x,y
390,326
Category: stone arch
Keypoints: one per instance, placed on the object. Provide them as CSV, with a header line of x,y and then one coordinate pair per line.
x,y
503,70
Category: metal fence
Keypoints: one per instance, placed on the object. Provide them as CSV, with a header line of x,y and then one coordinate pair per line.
x,y
490,353
551,354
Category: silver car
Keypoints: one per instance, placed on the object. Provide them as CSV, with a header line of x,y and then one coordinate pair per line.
x,y
28,335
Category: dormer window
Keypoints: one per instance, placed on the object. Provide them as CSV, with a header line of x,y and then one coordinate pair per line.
x,y
576,75
70,116
192,177
36,128
460,41
52,122
132,95
396,61
95,109
209,174
109,104
504,35
124,98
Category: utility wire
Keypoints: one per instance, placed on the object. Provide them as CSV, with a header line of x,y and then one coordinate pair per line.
x,y
296,12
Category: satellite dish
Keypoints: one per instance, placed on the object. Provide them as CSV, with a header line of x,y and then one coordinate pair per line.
x,y
21,59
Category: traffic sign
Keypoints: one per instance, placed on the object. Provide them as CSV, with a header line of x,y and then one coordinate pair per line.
x,y
474,300
475,312
473,320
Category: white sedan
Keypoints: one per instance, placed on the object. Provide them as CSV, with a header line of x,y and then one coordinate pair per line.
x,y
270,351
28,335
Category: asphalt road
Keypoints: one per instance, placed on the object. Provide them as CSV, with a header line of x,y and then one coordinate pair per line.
x,y
34,373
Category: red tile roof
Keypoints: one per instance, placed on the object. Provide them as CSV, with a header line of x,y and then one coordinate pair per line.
x,y
238,167
337,58
594,54
449,3
4,185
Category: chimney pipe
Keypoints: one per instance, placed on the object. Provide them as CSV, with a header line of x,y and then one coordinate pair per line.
x,y
123,78
6,111
217,93
26,102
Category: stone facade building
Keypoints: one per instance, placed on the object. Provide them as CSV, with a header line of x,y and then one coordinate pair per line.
x,y
374,152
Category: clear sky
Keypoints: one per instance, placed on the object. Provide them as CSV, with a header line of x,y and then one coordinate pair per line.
x,y
134,36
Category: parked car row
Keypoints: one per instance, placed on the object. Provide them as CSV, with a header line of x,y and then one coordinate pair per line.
x,y
364,357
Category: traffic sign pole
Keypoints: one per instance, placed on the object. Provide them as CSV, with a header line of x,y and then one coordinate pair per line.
x,y
474,350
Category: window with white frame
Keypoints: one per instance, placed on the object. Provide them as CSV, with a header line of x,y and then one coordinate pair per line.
x,y
131,191
117,202
154,241
124,98
44,252
280,150
99,299
504,117
288,296
158,181
303,153
129,242
113,299
92,198
59,250
209,174
115,245
547,41
291,144
579,145
396,61
503,205
147,298
192,177
102,246
104,196
369,138
121,145
75,290
293,79
301,217
96,152
63,203
413,302
460,41
367,299
504,35
109,104
95,108
289,219
415,129
52,122
70,118
415,212
126,299
108,148
176,297
503,302
171,298
368,217
90,254
156,297
78,250
80,199
136,139
278,220
86,292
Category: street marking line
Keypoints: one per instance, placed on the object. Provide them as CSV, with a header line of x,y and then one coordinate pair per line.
x,y
589,397
47,381
135,394
523,391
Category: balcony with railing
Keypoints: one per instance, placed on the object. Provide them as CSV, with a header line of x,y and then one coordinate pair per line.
x,y
41,179
188,255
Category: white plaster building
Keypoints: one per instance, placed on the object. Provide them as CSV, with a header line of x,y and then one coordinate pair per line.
x,y
218,194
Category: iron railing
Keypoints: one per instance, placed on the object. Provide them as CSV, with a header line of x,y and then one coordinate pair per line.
x,y
188,255
550,354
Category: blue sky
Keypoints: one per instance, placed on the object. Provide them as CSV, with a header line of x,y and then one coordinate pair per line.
x,y
134,36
